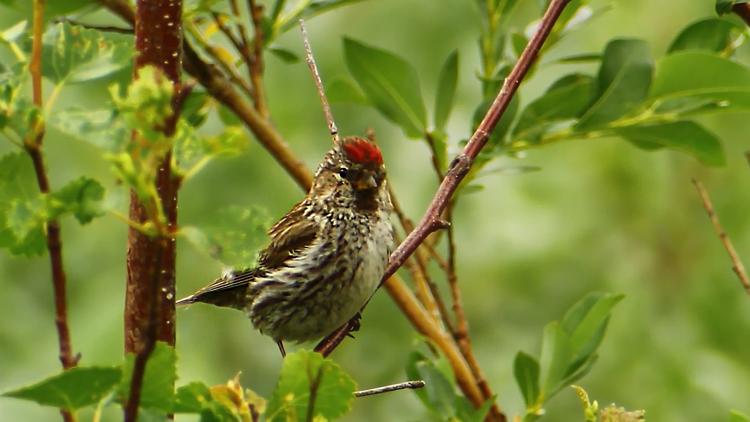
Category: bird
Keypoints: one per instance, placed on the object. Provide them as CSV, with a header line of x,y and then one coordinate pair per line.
x,y
325,257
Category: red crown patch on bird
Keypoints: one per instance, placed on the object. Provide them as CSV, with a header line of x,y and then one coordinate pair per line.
x,y
362,151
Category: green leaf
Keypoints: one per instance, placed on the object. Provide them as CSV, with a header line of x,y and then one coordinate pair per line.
x,y
191,398
438,394
526,371
286,56
622,83
146,106
701,75
446,90
101,128
73,54
566,99
82,197
390,83
341,90
466,412
192,149
72,389
311,9
737,416
711,34
685,136
22,213
196,107
236,236
157,391
585,322
302,373
555,358
440,147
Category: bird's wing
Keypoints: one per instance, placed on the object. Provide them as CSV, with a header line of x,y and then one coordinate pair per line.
x,y
290,235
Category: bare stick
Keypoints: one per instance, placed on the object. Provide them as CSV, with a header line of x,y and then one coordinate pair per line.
x,y
310,59
33,145
413,385
737,266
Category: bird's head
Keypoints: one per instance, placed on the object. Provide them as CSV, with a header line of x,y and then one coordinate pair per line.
x,y
352,168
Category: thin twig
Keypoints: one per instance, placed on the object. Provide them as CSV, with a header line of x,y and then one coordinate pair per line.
x,y
413,385
256,60
221,89
33,145
215,53
310,59
737,265
462,163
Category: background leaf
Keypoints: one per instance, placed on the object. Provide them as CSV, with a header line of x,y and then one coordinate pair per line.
x,y
72,389
75,54
526,372
159,378
390,83
711,34
290,398
622,83
703,76
685,136
446,90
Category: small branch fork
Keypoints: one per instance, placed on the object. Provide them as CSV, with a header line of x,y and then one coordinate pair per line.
x,y
33,146
737,266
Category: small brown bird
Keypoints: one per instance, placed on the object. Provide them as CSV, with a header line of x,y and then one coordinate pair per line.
x,y
326,256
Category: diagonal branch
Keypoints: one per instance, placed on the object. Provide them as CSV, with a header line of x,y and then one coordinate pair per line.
x,y
737,266
220,88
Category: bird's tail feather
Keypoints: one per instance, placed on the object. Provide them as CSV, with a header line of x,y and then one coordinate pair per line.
x,y
229,290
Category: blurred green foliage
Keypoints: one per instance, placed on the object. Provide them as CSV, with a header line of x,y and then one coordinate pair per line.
x,y
600,215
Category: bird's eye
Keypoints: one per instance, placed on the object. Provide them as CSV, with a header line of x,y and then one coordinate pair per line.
x,y
343,172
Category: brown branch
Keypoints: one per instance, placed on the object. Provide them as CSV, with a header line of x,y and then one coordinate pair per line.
x,y
223,91
737,265
412,385
33,146
149,294
256,60
215,53
742,10
462,163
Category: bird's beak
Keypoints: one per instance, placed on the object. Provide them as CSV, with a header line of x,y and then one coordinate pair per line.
x,y
367,181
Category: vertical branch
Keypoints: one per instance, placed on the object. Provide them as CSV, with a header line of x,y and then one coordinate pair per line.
x,y
737,266
33,146
149,295
256,64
